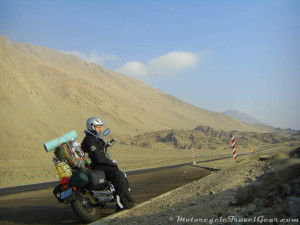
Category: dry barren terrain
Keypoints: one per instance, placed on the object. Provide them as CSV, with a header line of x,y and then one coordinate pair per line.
x,y
252,192
155,149
45,93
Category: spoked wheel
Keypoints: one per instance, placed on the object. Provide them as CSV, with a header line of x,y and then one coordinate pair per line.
x,y
85,209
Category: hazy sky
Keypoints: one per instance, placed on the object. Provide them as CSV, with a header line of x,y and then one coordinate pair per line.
x,y
217,55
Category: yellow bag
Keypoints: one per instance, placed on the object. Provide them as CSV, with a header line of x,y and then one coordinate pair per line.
x,y
63,170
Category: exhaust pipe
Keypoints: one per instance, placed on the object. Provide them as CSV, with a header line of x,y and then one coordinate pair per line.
x,y
103,196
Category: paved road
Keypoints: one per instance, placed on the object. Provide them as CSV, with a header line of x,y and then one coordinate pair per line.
x,y
41,207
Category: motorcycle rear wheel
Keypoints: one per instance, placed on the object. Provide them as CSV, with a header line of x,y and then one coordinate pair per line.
x,y
85,210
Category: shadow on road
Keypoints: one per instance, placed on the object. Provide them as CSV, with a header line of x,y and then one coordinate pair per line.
x,y
41,207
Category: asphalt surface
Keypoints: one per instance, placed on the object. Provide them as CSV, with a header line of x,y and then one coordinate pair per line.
x,y
41,207
30,205
53,184
39,186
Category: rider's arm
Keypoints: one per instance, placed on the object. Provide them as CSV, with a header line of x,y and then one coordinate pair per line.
x,y
96,150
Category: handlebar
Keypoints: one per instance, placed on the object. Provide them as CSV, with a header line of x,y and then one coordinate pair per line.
x,y
110,143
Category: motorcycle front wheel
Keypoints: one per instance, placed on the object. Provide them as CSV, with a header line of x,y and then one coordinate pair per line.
x,y
85,210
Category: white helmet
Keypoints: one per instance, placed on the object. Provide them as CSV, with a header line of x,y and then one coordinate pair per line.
x,y
92,122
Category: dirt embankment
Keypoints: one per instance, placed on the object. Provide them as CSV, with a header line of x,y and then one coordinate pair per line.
x,y
252,192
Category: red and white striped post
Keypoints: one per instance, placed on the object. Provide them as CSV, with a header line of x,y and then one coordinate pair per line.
x,y
233,149
193,155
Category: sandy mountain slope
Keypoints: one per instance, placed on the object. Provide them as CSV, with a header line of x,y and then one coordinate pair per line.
x,y
45,93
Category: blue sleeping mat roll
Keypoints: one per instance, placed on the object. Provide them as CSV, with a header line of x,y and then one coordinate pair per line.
x,y
50,145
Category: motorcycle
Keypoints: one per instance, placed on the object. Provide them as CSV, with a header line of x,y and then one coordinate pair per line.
x,y
86,190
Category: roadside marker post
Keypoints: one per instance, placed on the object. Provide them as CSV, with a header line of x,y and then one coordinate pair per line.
x,y
193,155
233,149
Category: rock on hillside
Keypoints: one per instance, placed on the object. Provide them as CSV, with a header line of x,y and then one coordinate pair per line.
x,y
276,194
207,138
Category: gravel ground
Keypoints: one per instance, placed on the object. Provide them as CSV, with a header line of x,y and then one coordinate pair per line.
x,y
213,199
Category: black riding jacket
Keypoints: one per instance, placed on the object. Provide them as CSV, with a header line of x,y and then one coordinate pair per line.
x,y
95,147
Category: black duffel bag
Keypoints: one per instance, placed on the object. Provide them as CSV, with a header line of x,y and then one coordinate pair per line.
x,y
97,179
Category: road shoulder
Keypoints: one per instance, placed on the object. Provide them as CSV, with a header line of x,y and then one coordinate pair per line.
x,y
207,198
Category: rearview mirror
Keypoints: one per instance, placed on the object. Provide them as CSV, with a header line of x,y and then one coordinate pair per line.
x,y
106,132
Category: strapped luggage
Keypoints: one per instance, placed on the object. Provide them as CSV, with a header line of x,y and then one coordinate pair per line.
x,y
72,153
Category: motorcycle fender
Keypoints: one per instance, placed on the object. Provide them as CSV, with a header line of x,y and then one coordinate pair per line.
x,y
57,191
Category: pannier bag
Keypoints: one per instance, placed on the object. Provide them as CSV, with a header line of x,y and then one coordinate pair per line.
x,y
79,179
97,179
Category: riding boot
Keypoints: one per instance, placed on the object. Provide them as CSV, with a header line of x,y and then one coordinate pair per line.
x,y
129,197
125,201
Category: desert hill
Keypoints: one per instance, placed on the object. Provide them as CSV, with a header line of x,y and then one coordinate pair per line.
x,y
45,93
204,137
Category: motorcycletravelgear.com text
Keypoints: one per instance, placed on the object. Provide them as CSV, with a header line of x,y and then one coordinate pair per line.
x,y
229,219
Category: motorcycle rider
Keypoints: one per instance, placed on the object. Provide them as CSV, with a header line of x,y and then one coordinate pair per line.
x,y
95,146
